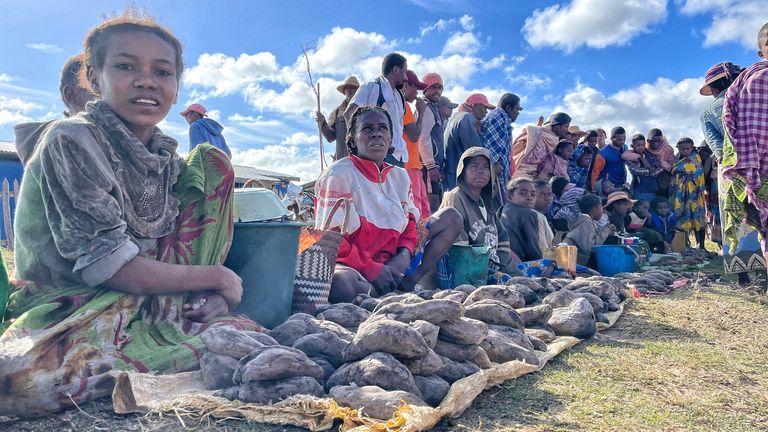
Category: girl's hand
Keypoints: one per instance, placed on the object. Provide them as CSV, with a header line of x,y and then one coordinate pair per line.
x,y
205,306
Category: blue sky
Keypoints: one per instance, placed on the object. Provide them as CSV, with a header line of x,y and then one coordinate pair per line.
x,y
636,63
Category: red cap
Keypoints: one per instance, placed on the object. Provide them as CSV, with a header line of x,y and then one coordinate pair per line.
x,y
479,98
196,107
413,80
431,79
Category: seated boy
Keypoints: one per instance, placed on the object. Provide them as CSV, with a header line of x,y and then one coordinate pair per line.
x,y
543,204
641,223
584,233
663,221
644,167
473,199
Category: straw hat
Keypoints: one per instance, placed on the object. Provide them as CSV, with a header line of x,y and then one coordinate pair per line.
x,y
576,132
351,81
618,196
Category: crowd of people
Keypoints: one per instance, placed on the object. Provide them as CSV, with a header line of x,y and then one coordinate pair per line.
x,y
120,241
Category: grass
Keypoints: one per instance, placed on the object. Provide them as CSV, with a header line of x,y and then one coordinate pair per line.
x,y
696,360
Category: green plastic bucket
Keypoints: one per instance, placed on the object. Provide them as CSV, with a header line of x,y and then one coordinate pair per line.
x,y
264,255
469,264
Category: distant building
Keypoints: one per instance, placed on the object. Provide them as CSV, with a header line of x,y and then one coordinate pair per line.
x,y
263,178
11,172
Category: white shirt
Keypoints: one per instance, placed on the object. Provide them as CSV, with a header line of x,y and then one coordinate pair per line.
x,y
368,95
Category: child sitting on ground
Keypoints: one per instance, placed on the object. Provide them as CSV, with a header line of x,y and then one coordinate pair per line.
x,y
566,205
663,222
617,207
544,199
584,233
641,223
644,167
688,189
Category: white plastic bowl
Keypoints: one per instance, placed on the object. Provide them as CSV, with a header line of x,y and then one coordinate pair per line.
x,y
258,204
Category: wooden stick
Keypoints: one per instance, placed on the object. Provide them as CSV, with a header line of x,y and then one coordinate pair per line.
x,y
320,132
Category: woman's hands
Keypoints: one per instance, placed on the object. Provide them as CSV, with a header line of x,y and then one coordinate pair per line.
x,y
205,306
387,280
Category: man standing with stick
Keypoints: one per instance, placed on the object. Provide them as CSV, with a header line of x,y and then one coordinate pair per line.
x,y
386,92
335,128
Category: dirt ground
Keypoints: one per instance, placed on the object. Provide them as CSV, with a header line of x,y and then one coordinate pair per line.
x,y
693,360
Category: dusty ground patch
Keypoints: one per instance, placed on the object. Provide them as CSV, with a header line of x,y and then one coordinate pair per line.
x,y
694,360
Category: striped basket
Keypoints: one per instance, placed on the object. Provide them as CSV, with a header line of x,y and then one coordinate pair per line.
x,y
315,265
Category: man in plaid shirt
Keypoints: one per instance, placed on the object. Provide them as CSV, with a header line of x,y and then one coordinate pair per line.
x,y
496,134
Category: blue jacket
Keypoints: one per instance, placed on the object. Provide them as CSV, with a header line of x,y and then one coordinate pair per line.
x,y
614,167
460,134
208,131
665,226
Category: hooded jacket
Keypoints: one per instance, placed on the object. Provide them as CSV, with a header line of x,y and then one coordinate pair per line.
x,y
208,131
27,135
479,227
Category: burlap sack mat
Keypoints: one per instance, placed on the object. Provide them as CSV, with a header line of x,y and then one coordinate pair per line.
x,y
185,396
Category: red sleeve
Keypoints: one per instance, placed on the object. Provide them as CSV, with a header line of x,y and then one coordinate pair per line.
x,y
410,237
597,168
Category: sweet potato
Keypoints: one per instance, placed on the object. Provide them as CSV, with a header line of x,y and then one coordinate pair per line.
x,y
534,284
452,295
374,401
327,345
379,369
217,370
229,341
501,349
434,311
433,388
389,336
426,365
466,331
453,371
456,352
517,336
496,292
346,315
427,330
538,344
275,363
466,288
301,324
534,315
407,298
528,295
578,319
494,312
263,338
270,391
543,334
328,368
481,359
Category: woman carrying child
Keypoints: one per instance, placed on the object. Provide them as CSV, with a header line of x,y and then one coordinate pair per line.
x,y
555,164
688,189
119,241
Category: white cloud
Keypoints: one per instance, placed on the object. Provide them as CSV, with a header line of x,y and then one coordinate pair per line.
x,y
461,43
281,158
594,23
226,75
5,78
17,104
494,63
672,106
46,48
732,20
12,117
300,138
529,81
467,22
341,51
443,6
440,25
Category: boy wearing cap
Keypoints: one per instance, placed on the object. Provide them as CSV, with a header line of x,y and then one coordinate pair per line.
x,y
335,128
204,130
462,133
446,109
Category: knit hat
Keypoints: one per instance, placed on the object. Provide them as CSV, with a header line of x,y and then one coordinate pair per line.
x,y
716,72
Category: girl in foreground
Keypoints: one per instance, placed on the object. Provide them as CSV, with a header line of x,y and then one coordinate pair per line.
x,y
375,256
119,242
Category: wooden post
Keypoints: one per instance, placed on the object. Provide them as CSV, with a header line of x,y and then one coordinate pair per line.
x,y
320,132
8,241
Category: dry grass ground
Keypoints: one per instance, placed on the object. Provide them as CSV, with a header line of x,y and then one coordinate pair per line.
x,y
694,360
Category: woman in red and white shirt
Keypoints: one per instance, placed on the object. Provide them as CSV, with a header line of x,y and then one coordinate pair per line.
x,y
382,233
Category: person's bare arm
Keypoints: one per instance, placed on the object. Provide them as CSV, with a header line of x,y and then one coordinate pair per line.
x,y
144,276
